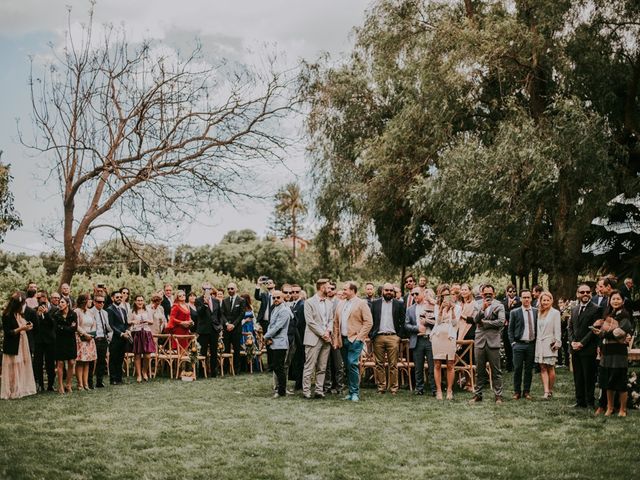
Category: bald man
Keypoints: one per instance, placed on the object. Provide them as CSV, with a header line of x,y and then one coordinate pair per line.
x,y
388,321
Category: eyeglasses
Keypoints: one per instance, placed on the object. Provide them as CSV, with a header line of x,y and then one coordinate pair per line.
x,y
287,292
98,301
585,292
510,291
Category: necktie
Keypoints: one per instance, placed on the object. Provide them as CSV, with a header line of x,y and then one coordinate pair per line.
x,y
530,322
233,299
210,304
581,310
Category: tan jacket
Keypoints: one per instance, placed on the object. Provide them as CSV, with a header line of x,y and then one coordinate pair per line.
x,y
360,322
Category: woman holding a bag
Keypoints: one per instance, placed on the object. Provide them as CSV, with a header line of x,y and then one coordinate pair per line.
x,y
548,342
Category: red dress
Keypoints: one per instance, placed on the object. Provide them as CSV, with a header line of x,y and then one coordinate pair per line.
x,y
179,314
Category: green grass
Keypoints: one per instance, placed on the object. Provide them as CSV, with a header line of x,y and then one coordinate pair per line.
x,y
231,428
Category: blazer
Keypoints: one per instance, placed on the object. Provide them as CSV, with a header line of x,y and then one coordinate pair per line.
x,y
209,318
516,324
359,323
299,320
44,330
603,303
117,321
507,311
11,341
265,302
233,315
315,326
578,328
166,306
278,326
397,313
548,332
411,325
489,333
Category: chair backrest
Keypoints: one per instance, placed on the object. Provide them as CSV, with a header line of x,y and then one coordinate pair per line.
x,y
163,343
184,344
465,350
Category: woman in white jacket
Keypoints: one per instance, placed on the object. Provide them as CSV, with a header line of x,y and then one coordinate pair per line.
x,y
548,342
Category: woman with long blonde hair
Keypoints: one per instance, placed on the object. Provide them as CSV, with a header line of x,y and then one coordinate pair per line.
x,y
548,342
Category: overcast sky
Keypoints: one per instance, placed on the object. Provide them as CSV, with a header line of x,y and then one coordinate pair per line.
x,y
296,28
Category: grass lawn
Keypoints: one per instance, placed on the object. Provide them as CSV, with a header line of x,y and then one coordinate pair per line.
x,y
231,428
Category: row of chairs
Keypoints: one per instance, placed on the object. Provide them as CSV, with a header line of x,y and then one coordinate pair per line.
x,y
463,364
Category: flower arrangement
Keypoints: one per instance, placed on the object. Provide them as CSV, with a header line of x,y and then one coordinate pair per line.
x,y
250,348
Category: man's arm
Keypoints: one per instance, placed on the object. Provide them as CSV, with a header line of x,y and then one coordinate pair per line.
x,y
367,322
511,329
310,319
498,322
409,326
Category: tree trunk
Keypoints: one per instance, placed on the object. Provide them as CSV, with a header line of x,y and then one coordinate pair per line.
x,y
534,277
293,233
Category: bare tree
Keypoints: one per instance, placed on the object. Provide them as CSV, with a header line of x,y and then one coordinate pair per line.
x,y
134,133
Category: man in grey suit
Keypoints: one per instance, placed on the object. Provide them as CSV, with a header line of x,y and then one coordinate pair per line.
x,y
489,324
418,324
523,322
277,340
318,315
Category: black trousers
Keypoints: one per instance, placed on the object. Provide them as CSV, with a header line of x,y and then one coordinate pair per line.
x,y
102,346
277,361
44,356
508,352
585,368
297,365
209,343
233,338
334,376
523,359
116,357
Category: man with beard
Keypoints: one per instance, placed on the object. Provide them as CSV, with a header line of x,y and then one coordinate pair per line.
x,y
388,316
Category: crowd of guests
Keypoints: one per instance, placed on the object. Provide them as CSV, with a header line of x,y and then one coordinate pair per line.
x,y
320,340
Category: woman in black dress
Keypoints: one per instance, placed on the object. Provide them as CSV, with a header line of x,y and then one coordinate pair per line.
x,y
66,323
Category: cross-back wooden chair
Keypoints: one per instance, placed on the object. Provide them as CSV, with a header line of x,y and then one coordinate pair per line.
x,y
184,345
225,357
165,354
462,366
405,365
367,359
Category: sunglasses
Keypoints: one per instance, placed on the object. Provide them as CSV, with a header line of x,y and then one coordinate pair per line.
x,y
98,301
415,294
584,292
288,292
277,298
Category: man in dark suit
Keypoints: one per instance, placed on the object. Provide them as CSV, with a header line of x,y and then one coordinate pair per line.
x,y
523,323
604,286
167,300
233,308
584,347
388,322
44,336
409,285
266,304
297,363
208,326
117,347
511,302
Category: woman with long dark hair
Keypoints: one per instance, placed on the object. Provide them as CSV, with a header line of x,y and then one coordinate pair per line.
x,y
614,363
66,322
17,371
140,321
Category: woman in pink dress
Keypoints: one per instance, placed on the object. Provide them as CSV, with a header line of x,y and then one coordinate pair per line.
x,y
17,372
180,319
140,322
85,344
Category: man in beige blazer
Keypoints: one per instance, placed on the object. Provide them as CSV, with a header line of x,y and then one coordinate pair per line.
x,y
351,325
318,315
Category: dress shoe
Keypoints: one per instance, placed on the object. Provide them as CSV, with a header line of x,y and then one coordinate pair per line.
x,y
289,392
476,399
306,397
99,385
276,395
348,397
319,395
50,388
516,396
355,398
528,396
380,392
499,400
419,392
578,405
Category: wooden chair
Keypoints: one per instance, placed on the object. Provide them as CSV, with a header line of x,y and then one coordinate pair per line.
x,y
224,356
184,354
461,366
262,347
128,359
164,353
367,360
405,365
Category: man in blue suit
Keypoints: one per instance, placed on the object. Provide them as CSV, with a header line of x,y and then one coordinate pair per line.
x,y
523,323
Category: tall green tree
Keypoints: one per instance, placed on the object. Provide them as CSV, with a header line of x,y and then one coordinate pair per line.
x,y
289,212
9,219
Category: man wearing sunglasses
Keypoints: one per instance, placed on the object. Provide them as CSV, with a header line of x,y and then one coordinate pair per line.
x,y
418,324
511,302
584,347
277,340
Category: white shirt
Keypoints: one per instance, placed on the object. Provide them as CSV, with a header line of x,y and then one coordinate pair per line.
x,y
102,322
526,335
386,317
344,317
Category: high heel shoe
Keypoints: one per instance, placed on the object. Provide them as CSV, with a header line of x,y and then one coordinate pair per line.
x,y
449,395
139,380
438,395
67,388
